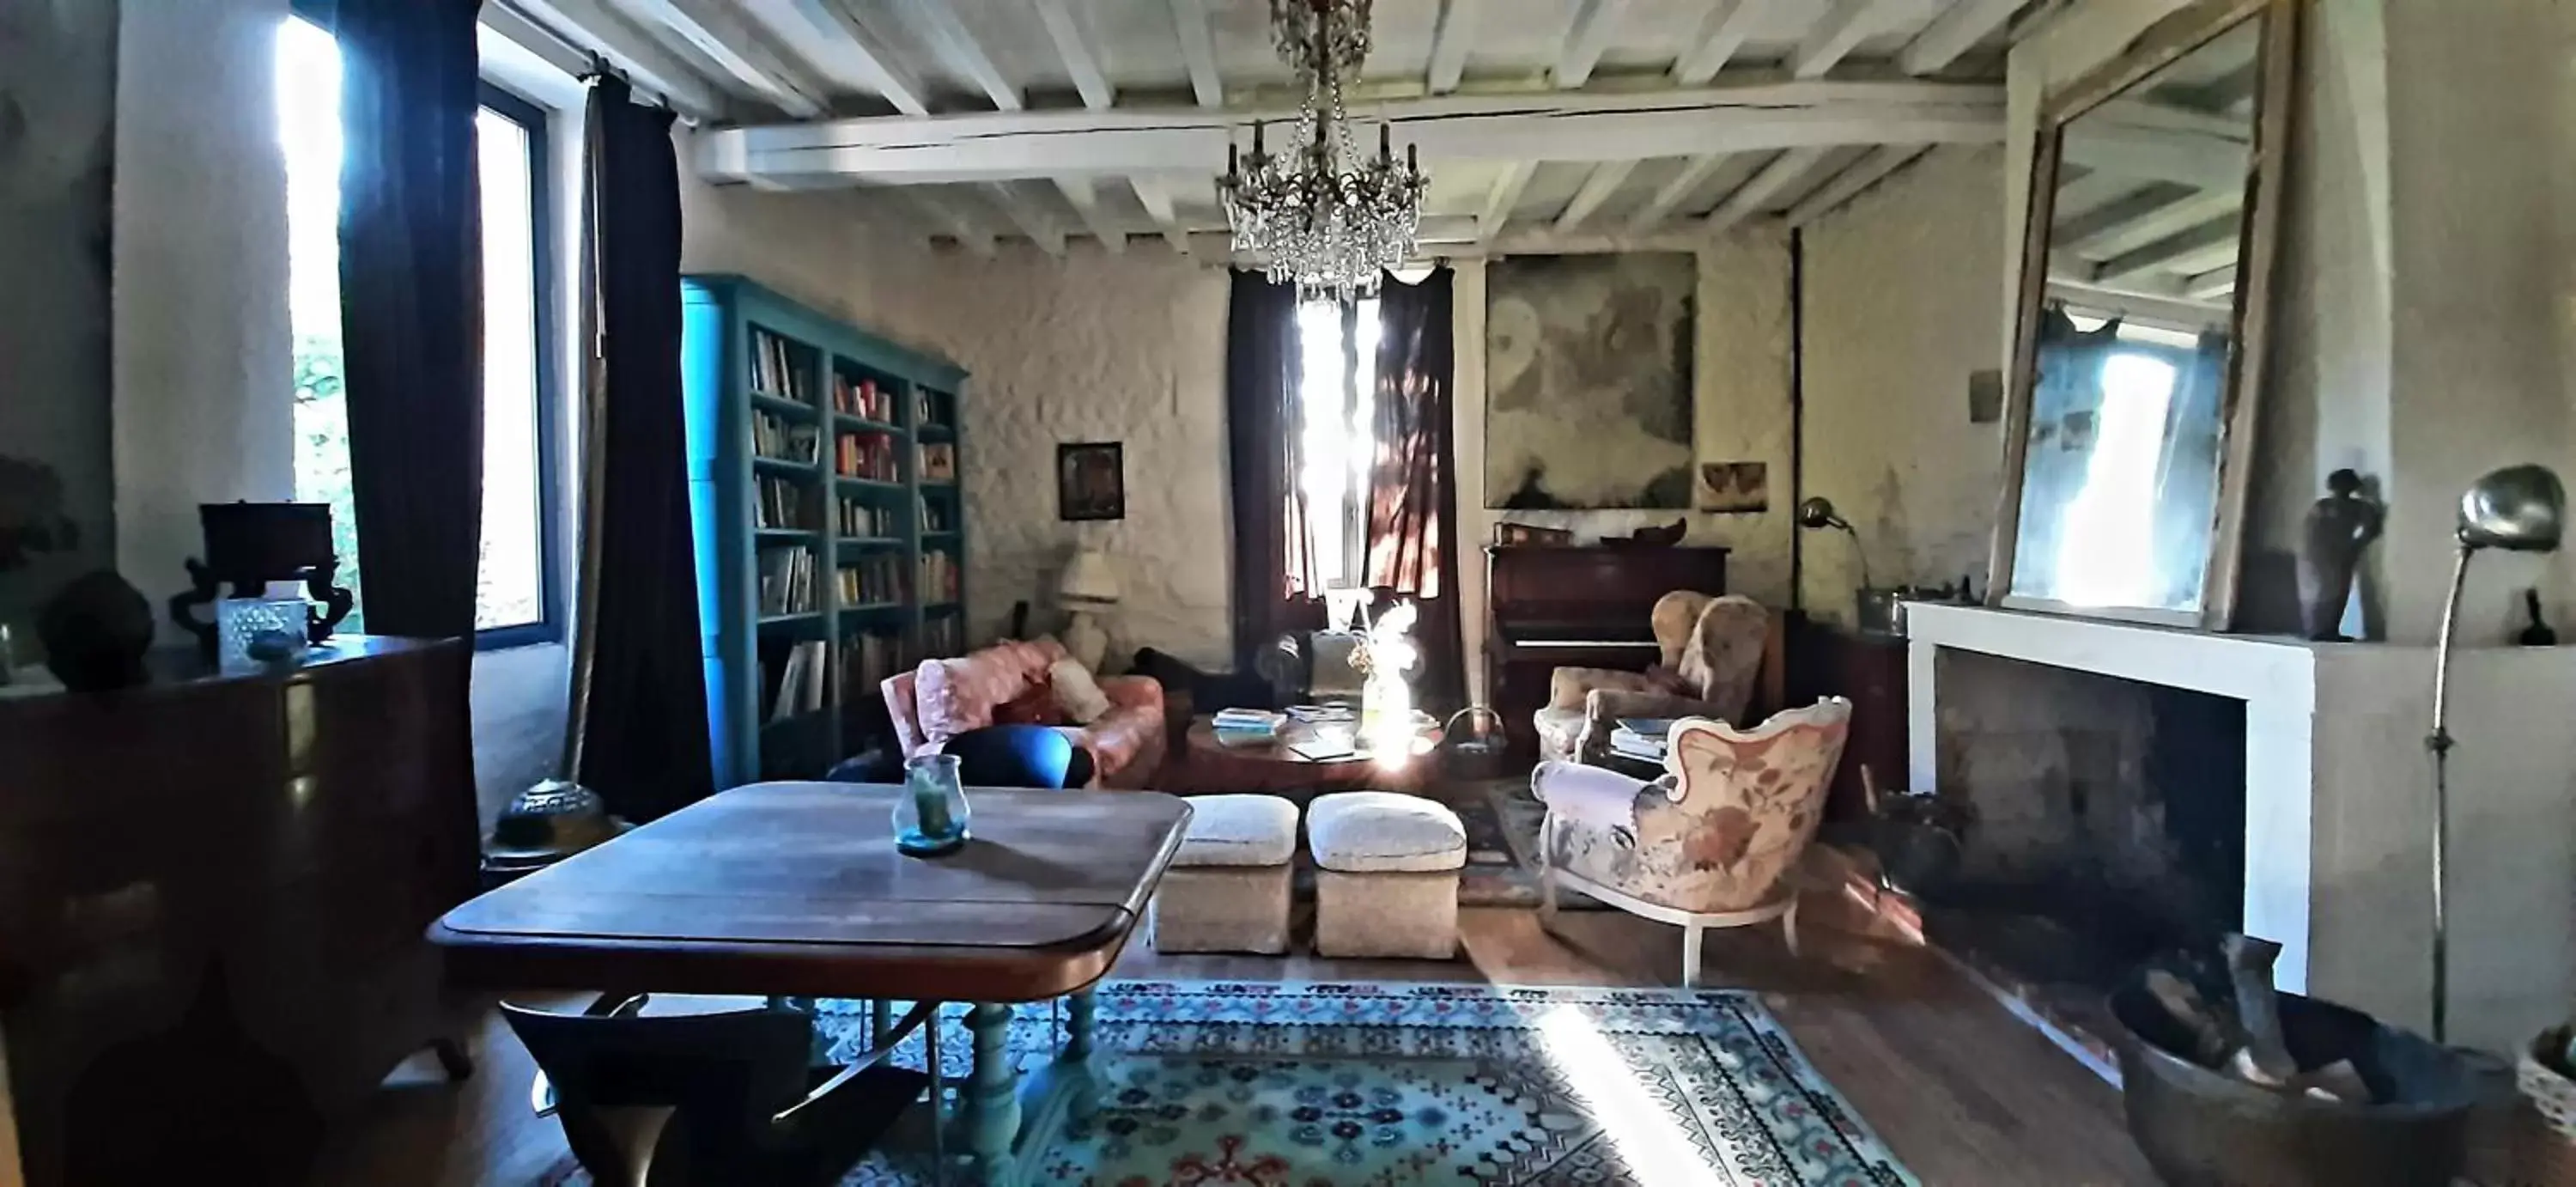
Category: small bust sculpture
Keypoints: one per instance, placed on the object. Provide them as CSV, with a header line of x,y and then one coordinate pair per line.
x,y
2338,528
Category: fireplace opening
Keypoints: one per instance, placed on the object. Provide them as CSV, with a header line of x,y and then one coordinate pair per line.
x,y
2105,827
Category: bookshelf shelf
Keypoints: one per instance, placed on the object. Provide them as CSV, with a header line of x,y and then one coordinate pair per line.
x,y
790,694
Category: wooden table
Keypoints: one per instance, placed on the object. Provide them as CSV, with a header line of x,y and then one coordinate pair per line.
x,y
1210,766
795,889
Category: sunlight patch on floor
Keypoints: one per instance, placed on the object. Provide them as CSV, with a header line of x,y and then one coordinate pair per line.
x,y
1656,1151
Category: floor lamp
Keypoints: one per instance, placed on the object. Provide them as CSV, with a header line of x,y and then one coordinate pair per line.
x,y
2517,509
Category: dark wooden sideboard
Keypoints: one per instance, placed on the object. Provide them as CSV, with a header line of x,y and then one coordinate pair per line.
x,y
214,896
1868,669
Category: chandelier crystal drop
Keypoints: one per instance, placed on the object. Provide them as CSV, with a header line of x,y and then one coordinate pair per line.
x,y
1316,212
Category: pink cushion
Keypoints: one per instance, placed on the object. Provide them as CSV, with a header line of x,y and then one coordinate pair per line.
x,y
904,706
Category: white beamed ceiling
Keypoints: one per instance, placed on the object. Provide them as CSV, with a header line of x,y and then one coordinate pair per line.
x,y
1000,129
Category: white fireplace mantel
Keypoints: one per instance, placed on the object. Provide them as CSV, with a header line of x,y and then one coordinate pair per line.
x,y
2338,802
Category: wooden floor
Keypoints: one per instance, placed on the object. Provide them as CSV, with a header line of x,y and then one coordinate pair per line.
x,y
1959,1089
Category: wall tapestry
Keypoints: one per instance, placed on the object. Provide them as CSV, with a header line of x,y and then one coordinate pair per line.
x,y
1588,381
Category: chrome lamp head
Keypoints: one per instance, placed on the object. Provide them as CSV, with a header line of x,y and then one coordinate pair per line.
x,y
2517,509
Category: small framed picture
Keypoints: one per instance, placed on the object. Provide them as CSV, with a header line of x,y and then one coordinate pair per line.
x,y
1091,480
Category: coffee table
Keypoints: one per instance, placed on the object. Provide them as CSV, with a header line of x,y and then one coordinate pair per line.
x,y
1210,766
795,889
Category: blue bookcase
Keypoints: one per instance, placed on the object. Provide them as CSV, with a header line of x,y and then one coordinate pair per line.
x,y
829,527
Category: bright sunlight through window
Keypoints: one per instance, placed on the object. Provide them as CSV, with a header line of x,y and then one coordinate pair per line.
x,y
512,591
2106,554
1340,370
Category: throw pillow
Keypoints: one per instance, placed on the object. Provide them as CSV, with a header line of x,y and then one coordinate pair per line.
x,y
1080,695
1038,706
945,707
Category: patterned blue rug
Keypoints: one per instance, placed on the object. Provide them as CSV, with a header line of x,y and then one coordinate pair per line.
x,y
1340,1085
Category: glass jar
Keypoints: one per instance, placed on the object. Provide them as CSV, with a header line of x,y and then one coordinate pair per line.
x,y
930,815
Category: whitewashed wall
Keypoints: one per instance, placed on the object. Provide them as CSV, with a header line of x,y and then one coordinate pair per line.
x,y
1896,320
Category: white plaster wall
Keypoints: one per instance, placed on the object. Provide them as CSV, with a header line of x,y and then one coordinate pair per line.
x,y
1896,319
57,147
1741,381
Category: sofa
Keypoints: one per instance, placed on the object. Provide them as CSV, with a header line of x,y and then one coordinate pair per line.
x,y
1126,743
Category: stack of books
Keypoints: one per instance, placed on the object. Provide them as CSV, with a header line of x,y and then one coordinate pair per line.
x,y
1248,727
1646,739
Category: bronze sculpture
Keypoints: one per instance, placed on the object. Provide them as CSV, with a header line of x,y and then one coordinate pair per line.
x,y
2338,528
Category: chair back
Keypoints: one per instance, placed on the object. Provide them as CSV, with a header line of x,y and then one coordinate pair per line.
x,y
1019,756
725,1074
1755,796
1723,657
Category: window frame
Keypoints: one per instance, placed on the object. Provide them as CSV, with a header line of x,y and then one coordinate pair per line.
x,y
546,243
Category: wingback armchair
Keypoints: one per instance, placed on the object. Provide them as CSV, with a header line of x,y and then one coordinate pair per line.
x,y
1706,845
1711,651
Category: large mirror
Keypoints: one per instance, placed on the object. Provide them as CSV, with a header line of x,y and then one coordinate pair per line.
x,y
2141,324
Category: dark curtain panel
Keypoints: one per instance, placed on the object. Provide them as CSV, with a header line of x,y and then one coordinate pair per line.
x,y
1412,498
641,691
1272,549
411,307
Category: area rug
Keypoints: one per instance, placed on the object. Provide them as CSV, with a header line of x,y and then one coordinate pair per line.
x,y
1502,819
1344,1085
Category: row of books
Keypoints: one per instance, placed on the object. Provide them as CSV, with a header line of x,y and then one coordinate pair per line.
x,y
774,369
1646,739
938,515
866,455
781,504
787,581
944,635
862,398
869,519
775,436
930,411
872,580
938,577
801,681
868,658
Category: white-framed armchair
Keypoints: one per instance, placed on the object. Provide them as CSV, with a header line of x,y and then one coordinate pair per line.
x,y
1708,844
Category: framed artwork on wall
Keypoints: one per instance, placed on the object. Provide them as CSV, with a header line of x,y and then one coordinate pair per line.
x,y
1588,362
1091,480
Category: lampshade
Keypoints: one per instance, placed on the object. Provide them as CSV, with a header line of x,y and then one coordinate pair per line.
x,y
1089,577
2518,509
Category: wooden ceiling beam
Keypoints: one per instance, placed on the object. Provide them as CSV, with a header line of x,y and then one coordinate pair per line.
x,y
1505,194
1874,166
1952,33
2113,237
1450,43
954,41
1834,34
1198,51
1586,38
1605,181
1720,35
1086,204
1156,197
645,62
947,213
2210,246
840,44
1759,189
1677,191
2211,285
1080,62
1575,126
719,30
1025,215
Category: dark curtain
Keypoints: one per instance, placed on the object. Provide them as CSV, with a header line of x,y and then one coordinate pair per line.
x,y
1412,497
640,683
1272,550
411,307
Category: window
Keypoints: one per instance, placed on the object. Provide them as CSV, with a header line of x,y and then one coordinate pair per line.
x,y
1336,445
517,600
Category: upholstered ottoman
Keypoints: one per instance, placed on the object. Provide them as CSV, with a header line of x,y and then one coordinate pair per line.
x,y
1228,888
1386,875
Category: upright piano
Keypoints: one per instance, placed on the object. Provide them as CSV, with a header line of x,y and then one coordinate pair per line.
x,y
1549,607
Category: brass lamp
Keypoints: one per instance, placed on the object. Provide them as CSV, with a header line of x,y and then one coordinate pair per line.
x,y
2516,509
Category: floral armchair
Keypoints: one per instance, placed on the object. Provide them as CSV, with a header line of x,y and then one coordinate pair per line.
x,y
1712,649
1706,845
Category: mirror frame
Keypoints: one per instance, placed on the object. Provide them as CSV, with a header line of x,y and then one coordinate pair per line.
x,y
2258,234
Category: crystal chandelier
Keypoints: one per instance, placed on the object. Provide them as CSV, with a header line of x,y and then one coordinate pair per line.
x,y
1318,213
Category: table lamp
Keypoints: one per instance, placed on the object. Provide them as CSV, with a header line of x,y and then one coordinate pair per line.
x,y
2517,509
1088,588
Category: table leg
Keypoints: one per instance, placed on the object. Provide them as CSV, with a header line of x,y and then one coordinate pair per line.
x,y
992,1105
1079,1011
880,1019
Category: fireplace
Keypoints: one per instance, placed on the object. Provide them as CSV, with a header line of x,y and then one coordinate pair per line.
x,y
2107,829
2140,787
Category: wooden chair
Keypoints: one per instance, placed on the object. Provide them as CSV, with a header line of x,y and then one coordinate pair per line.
x,y
1710,843
1019,756
723,1098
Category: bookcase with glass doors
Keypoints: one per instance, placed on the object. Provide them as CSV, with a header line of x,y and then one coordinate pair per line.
x,y
827,521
